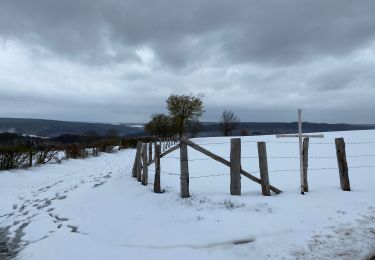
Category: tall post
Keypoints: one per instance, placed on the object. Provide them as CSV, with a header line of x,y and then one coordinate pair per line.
x,y
235,166
305,156
161,145
300,148
300,136
149,151
184,170
263,169
137,157
31,158
157,188
342,164
139,163
145,167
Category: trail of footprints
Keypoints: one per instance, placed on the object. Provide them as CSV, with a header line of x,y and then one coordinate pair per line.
x,y
40,202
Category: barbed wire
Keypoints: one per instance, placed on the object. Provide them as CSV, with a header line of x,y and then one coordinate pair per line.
x,y
287,142
270,171
274,157
196,177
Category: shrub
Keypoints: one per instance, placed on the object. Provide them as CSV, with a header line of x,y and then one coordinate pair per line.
x,y
14,157
47,153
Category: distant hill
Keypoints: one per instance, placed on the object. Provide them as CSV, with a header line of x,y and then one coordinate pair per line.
x,y
53,128
256,128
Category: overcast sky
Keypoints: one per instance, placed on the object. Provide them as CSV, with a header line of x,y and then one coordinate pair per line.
x,y
118,60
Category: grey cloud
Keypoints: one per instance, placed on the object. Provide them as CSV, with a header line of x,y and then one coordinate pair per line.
x,y
80,58
245,31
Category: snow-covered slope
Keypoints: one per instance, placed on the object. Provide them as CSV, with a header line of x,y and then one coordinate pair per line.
x,y
94,209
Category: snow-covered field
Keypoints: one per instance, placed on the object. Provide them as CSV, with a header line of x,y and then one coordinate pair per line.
x,y
94,209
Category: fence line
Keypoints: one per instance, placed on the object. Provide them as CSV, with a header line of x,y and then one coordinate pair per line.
x,y
288,142
271,171
275,157
234,163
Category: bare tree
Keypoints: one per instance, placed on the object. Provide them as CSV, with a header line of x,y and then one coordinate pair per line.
x,y
229,122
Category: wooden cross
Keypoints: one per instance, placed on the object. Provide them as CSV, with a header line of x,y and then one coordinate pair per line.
x,y
300,135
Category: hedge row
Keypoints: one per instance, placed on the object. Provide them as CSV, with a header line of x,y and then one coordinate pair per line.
x,y
21,156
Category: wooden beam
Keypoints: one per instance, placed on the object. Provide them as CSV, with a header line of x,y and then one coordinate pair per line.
x,y
227,163
174,148
208,153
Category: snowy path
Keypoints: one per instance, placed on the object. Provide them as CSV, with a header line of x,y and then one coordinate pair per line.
x,y
33,197
93,209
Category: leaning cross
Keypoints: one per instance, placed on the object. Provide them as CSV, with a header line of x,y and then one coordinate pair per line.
x,y
300,135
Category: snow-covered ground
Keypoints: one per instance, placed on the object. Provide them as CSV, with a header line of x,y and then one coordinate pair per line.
x,y
94,209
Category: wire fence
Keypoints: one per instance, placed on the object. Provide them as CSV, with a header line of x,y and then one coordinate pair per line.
x,y
287,142
273,157
170,173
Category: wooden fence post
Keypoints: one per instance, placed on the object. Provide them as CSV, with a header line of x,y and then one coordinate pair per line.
x,y
235,166
263,169
145,167
139,163
157,188
137,155
31,158
184,170
149,151
305,159
342,164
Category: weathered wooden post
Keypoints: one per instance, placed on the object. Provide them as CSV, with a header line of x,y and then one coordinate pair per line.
x,y
157,188
149,151
31,158
263,169
139,163
184,170
305,159
145,167
342,164
235,166
137,157
300,136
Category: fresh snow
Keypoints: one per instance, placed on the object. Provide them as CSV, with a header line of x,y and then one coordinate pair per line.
x,y
94,209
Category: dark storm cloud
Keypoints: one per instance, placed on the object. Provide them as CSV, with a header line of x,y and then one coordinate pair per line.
x,y
241,31
120,59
